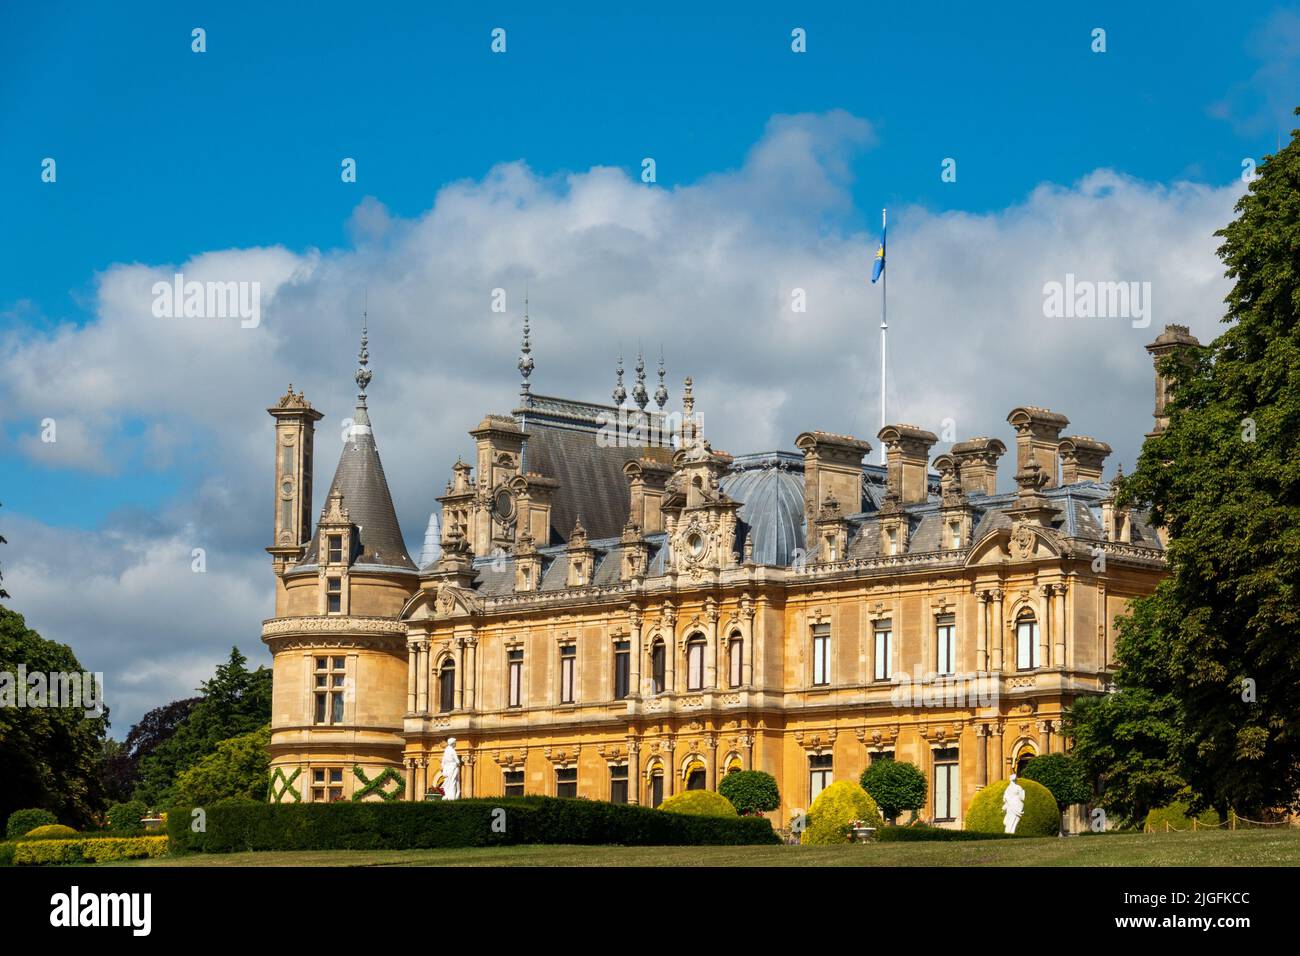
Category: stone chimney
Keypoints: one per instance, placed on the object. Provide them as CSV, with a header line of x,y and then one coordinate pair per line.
x,y
1038,438
832,467
1081,458
1174,339
647,479
907,457
977,464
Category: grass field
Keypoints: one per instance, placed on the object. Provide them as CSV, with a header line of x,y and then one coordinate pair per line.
x,y
1214,848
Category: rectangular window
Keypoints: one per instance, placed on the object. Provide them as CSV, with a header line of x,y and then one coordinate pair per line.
x,y
819,774
1026,645
568,661
946,645
879,755
947,789
736,663
335,548
327,784
618,784
566,782
514,783
333,595
515,677
884,653
821,654
695,664
657,662
622,669
656,789
330,686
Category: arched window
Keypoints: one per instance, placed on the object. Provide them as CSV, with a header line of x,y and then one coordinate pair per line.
x,y
736,659
657,661
694,774
447,686
1026,642
655,785
695,662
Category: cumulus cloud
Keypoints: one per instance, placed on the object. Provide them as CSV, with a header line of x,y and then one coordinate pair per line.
x,y
708,270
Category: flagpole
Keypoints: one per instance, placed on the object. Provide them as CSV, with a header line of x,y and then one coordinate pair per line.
x,y
884,327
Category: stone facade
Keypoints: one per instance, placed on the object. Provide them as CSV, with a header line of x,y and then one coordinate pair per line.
x,y
619,611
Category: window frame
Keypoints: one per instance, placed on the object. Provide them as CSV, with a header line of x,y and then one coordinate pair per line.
x,y
622,669
821,655
568,673
514,677
945,645
820,767
695,647
736,660
1030,621
446,694
882,658
945,765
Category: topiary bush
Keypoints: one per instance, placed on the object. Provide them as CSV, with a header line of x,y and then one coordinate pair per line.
x,y
699,803
1042,816
751,791
51,831
1062,774
127,816
895,785
22,821
835,809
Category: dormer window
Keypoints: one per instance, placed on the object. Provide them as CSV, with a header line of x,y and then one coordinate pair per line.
x,y
334,595
893,540
334,549
955,529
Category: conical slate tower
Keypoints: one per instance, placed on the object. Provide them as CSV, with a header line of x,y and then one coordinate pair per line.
x,y
359,478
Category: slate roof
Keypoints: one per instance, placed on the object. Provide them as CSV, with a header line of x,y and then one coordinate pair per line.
x,y
360,477
564,442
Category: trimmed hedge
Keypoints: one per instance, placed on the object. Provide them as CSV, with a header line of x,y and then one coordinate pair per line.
x,y
456,823
699,803
920,834
97,850
1042,817
23,821
835,808
51,831
7,854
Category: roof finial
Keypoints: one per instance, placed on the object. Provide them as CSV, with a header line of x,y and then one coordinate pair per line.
x,y
620,393
639,394
661,393
526,351
364,374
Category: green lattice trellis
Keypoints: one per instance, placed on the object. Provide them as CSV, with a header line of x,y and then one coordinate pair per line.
x,y
377,785
285,782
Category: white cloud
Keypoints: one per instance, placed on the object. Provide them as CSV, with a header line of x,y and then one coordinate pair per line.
x,y
707,270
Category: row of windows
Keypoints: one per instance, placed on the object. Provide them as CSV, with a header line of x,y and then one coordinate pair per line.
x,y
695,674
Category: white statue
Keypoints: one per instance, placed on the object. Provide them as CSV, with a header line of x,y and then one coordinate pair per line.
x,y
450,771
1013,805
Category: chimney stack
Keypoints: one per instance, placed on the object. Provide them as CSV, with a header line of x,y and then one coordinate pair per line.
x,y
907,456
977,464
832,466
1038,437
1081,458
1174,339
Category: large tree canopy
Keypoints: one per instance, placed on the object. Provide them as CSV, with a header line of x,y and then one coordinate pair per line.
x,y
1210,662
235,702
48,755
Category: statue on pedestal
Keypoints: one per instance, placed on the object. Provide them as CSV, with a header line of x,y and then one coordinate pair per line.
x,y
1013,805
451,771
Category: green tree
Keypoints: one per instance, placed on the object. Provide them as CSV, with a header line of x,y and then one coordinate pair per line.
x,y
235,702
895,785
1224,480
750,791
237,768
1063,774
49,756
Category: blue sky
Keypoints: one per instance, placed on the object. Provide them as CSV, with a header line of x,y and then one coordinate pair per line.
x,y
165,155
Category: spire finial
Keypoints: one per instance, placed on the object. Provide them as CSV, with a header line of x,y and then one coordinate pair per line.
x,y
639,394
364,374
525,351
661,393
620,393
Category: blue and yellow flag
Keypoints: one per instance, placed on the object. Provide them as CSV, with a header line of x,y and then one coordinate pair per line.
x,y
879,266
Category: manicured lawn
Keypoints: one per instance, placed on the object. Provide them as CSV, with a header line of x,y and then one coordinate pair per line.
x,y
1214,848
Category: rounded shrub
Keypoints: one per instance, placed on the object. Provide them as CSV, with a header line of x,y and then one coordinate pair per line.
x,y
21,821
750,791
127,816
699,803
1177,816
1042,816
834,811
895,785
51,831
1062,774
